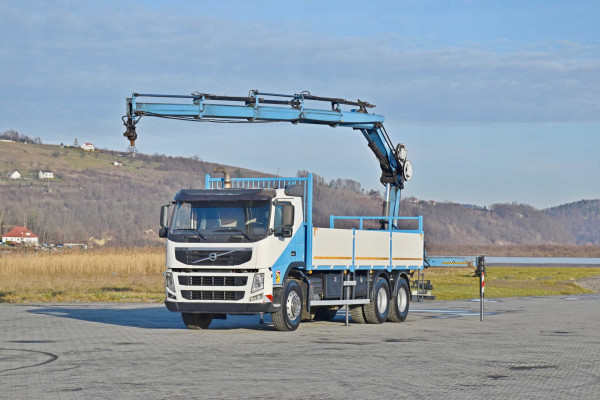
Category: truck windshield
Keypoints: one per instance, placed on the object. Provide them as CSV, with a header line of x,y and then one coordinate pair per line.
x,y
226,221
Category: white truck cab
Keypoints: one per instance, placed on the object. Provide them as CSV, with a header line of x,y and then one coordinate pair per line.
x,y
224,246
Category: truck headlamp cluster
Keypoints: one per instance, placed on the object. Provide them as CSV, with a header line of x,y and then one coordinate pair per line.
x,y
256,297
258,283
169,281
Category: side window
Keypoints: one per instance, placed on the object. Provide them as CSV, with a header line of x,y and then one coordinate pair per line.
x,y
277,222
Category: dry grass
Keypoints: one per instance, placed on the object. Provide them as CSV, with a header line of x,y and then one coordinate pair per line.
x,y
128,275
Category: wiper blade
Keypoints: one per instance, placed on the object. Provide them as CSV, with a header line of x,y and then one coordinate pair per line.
x,y
196,231
233,230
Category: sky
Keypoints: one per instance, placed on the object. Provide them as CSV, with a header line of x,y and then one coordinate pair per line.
x,y
496,101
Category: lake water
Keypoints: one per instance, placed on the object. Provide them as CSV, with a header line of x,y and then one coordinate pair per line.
x,y
536,261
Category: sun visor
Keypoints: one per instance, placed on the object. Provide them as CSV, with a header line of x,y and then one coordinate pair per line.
x,y
191,195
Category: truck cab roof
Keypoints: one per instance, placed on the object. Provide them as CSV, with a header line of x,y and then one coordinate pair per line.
x,y
191,195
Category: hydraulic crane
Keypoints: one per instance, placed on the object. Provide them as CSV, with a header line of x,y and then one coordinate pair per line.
x,y
272,107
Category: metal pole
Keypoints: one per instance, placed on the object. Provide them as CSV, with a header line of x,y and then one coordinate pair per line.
x,y
347,288
481,293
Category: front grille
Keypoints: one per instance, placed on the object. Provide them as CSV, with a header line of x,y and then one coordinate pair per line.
x,y
213,280
211,295
221,257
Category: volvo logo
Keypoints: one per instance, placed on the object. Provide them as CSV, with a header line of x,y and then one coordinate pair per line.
x,y
212,257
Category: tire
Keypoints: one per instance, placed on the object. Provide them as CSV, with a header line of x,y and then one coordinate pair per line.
x,y
400,302
357,314
196,321
288,317
377,310
326,313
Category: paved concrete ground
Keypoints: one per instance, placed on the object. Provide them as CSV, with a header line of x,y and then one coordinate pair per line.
x,y
533,348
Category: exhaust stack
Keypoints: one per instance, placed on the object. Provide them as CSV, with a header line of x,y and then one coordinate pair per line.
x,y
227,183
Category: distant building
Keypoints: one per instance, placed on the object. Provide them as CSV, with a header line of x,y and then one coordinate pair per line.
x,y
46,175
14,175
88,147
20,234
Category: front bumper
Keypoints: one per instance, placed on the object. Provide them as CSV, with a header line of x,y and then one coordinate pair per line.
x,y
219,308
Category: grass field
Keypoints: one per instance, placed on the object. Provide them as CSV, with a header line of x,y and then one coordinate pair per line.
x,y
114,275
460,283
135,275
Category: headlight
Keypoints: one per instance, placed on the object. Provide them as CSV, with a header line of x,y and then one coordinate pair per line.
x,y
258,283
169,281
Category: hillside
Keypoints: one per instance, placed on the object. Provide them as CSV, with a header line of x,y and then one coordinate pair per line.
x,y
90,200
582,218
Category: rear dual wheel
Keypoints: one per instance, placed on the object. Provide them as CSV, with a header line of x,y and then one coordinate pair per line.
x,y
358,314
376,312
400,302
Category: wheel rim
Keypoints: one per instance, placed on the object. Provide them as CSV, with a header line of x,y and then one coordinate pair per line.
x,y
382,300
402,299
294,305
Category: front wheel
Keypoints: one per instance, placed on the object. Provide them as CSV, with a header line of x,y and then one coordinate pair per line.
x,y
399,304
196,321
288,317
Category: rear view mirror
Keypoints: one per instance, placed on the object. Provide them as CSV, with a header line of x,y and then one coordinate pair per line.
x,y
286,220
164,221
287,215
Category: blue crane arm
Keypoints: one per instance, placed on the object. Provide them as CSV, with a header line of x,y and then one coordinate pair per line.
x,y
271,107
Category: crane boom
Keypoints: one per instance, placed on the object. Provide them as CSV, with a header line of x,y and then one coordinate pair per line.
x,y
273,107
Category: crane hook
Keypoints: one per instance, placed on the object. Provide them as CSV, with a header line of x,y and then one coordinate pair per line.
x,y
130,132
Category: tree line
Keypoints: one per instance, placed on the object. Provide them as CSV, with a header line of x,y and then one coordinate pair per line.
x,y
15,136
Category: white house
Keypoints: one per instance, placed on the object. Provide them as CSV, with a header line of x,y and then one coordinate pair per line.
x,y
14,175
88,147
46,175
20,234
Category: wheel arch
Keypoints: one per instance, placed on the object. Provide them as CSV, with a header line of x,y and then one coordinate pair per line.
x,y
295,270
383,274
396,277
